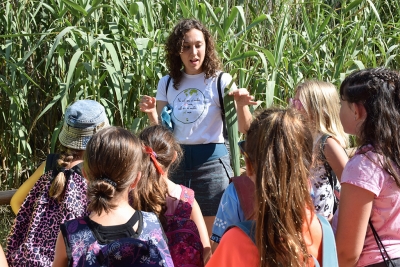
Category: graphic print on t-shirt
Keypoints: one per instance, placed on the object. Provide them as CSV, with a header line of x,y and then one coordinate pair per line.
x,y
189,105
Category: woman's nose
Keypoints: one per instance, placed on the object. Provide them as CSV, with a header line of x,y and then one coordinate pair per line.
x,y
193,50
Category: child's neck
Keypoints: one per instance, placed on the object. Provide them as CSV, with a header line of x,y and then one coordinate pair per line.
x,y
117,216
171,185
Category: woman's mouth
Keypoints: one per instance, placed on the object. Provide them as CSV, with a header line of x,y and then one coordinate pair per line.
x,y
194,61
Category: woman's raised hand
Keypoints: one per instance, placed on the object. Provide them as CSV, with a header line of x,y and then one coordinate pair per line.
x,y
147,104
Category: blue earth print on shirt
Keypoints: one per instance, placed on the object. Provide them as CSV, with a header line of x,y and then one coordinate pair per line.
x,y
189,105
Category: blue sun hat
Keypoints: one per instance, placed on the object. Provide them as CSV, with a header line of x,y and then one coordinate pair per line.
x,y
82,120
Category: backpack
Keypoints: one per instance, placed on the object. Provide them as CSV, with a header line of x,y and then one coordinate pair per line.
x,y
329,253
333,180
33,236
184,241
148,249
245,189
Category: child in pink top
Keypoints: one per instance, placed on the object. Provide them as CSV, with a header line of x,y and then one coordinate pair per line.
x,y
370,101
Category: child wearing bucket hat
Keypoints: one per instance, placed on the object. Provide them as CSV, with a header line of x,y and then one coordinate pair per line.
x,y
56,191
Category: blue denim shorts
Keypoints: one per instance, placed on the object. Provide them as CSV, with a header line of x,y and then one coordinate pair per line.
x,y
208,179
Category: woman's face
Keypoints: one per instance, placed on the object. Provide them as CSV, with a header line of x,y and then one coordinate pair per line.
x,y
193,52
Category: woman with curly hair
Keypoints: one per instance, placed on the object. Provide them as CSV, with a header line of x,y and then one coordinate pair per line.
x,y
190,94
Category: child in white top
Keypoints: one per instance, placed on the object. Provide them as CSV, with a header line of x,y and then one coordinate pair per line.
x,y
318,101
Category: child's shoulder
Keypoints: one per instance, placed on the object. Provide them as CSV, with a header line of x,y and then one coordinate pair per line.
x,y
187,194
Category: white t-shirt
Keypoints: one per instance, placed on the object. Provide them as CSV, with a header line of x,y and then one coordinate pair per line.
x,y
196,108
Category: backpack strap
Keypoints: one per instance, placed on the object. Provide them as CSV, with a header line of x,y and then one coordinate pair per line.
x,y
221,103
248,227
329,254
333,180
51,162
166,87
245,189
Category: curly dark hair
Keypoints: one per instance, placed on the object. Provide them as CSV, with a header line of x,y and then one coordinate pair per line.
x,y
378,90
173,47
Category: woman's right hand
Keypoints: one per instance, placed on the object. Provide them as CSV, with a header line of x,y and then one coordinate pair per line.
x,y
147,104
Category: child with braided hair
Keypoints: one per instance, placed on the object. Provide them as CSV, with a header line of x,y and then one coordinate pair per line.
x,y
368,220
56,192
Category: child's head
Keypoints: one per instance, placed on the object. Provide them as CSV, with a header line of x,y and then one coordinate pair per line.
x,y
374,93
191,46
112,164
162,142
82,119
162,153
320,103
279,147
371,110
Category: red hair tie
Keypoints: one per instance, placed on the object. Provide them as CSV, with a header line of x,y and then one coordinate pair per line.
x,y
153,157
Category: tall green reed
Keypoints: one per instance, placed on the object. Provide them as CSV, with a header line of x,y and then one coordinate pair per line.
x,y
53,52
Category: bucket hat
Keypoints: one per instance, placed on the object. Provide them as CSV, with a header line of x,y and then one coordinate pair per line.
x,y
82,120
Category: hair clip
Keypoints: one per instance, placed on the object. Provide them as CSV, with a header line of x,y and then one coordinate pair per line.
x,y
153,157
109,181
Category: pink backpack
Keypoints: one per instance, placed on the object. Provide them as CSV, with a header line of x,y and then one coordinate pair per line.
x,y
184,241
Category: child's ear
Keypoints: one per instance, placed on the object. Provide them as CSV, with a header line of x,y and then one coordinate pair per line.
x,y
175,156
359,111
134,184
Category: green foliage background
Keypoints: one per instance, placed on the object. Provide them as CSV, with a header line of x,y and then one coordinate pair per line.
x,y
53,52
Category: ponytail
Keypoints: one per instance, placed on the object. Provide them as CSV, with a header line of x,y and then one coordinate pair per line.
x,y
100,193
58,185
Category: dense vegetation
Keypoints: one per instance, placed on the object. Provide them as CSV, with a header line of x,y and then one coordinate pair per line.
x,y
55,51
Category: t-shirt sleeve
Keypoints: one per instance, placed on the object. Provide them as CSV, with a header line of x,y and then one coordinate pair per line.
x,y
161,94
229,213
235,249
365,171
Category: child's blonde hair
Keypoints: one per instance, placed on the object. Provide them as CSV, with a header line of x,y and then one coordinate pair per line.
x,y
322,104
